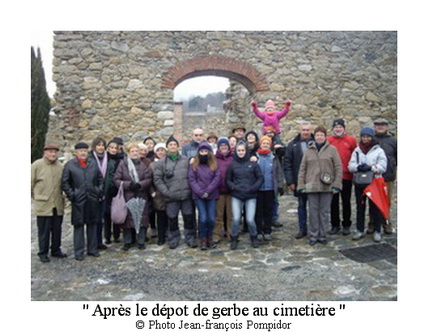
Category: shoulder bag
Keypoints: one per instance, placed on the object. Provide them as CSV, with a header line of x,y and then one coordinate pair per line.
x,y
119,210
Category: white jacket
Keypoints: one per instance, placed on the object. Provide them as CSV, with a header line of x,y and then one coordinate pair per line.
x,y
375,158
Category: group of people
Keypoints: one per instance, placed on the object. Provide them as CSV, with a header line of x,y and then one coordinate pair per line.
x,y
230,181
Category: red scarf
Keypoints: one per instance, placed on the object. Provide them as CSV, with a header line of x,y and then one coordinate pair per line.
x,y
260,151
82,162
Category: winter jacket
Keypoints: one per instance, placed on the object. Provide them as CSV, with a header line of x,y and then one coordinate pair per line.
x,y
293,159
223,162
375,158
46,188
272,172
158,199
345,145
389,144
204,180
271,118
144,175
244,177
190,149
313,163
177,187
84,188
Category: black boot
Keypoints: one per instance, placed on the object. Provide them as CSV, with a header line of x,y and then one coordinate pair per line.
x,y
233,242
254,241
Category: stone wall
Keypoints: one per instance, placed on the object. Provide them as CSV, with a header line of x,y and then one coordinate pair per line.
x,y
112,83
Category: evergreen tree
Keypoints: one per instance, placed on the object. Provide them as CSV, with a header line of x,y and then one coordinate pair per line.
x,y
40,106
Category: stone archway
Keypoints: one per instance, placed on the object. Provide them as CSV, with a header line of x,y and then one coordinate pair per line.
x,y
239,71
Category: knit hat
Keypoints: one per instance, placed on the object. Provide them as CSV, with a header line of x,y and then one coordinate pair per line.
x,y
223,140
367,131
205,145
159,146
339,122
149,138
81,145
265,138
171,139
270,104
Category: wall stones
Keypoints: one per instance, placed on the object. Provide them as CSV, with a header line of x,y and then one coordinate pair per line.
x,y
111,83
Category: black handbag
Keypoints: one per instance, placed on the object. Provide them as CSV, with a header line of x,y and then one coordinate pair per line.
x,y
325,177
362,179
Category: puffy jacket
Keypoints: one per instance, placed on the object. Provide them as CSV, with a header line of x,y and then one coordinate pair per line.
x,y
223,162
204,180
345,145
244,177
313,163
84,188
177,187
389,144
375,158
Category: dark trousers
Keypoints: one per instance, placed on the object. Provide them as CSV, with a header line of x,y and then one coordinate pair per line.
x,y
108,225
361,211
49,231
79,239
302,212
264,211
101,209
162,224
345,194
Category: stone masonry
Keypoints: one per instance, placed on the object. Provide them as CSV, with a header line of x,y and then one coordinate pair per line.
x,y
122,82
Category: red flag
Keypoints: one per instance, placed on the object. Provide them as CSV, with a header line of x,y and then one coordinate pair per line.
x,y
377,191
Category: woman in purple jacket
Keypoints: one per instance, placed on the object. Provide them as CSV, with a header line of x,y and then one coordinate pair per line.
x,y
204,179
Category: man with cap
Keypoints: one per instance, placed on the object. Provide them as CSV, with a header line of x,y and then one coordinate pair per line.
x,y
345,145
48,201
82,182
239,132
170,176
389,144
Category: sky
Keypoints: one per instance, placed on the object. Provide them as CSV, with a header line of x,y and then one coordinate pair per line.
x,y
199,86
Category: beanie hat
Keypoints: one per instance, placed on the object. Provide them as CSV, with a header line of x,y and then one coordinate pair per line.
x,y
251,132
339,122
367,131
149,138
81,145
223,140
159,146
265,138
171,139
270,104
204,145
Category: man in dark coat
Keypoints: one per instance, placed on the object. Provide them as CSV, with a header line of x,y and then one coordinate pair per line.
x,y
83,184
389,144
293,157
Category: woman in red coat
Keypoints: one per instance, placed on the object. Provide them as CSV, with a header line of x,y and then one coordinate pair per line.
x,y
136,178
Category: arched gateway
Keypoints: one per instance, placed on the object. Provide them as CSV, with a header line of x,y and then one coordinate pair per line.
x,y
112,83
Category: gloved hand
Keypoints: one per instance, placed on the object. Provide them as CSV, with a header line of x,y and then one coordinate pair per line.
x,y
254,104
364,168
280,191
335,190
287,104
134,186
205,195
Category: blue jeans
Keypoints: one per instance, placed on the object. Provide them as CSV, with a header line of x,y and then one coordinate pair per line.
x,y
250,212
302,212
207,213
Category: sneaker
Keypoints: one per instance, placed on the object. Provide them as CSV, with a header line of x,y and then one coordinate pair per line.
x,y
267,237
377,237
260,237
358,236
346,231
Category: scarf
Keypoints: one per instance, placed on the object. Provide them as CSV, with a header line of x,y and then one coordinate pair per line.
x,y
82,162
260,151
203,159
102,166
132,170
366,147
174,156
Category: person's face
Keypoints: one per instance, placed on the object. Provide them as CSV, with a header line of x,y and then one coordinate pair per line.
x,y
100,148
113,148
198,135
134,152
224,148
239,133
160,153
51,155
339,130
251,138
265,145
172,147
150,144
366,139
143,152
212,140
270,133
82,154
232,142
203,152
320,137
240,151
305,132
381,128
